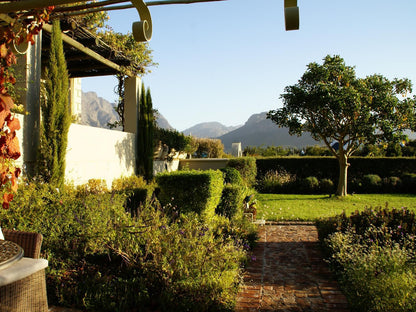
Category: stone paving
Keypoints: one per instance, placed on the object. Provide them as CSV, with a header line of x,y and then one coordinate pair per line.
x,y
289,274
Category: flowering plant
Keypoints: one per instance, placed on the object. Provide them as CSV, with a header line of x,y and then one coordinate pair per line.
x,y
20,30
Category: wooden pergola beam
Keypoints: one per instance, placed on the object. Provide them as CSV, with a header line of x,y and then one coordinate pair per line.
x,y
85,50
18,6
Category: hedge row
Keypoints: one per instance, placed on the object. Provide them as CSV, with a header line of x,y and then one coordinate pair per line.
x,y
191,191
327,167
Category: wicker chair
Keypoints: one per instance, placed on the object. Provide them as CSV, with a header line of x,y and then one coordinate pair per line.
x,y
29,293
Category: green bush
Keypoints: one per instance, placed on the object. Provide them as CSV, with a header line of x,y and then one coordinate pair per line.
x,y
191,191
247,168
326,186
277,181
371,183
231,203
373,277
327,168
392,185
101,259
309,185
138,193
373,255
232,176
395,222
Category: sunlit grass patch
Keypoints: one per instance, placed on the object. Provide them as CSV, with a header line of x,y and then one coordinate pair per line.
x,y
282,207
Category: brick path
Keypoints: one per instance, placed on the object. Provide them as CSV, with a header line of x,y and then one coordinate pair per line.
x,y
289,274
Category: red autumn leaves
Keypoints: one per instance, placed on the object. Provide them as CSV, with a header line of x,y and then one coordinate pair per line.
x,y
21,30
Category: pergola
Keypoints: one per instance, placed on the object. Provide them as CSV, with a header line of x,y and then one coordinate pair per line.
x,y
86,55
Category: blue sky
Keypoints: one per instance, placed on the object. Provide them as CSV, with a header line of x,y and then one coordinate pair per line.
x,y
224,61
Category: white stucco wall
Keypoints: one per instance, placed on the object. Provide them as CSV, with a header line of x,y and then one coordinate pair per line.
x,y
95,153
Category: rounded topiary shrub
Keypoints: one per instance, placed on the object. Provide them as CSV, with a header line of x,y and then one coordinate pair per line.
x,y
392,184
371,183
309,184
326,186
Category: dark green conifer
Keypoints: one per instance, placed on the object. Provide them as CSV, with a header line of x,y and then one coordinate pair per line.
x,y
56,117
145,135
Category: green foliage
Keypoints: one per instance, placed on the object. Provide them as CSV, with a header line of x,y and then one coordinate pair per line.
x,y
277,181
191,191
270,151
56,118
144,161
138,193
309,185
138,53
232,176
231,203
326,186
374,278
101,259
207,148
247,168
393,171
174,139
373,254
333,105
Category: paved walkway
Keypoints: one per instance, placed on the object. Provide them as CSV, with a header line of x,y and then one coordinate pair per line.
x,y
289,274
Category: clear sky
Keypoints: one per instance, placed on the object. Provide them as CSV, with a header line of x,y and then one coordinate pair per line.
x,y
224,61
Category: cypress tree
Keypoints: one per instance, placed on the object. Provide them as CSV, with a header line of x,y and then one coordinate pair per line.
x,y
145,135
56,117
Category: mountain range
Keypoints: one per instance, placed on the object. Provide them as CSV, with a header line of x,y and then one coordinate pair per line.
x,y
257,131
98,112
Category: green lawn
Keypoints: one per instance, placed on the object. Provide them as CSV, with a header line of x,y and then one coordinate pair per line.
x,y
279,207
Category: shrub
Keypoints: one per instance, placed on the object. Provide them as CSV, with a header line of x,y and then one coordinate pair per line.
x,y
371,183
326,186
138,193
392,184
231,201
100,259
232,176
309,185
208,148
373,254
173,139
94,186
191,191
276,181
247,168
395,222
373,277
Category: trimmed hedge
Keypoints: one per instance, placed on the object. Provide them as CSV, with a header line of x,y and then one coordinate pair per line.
x,y
327,167
232,176
247,168
191,191
395,174
231,201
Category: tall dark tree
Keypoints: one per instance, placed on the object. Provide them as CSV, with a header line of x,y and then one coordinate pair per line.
x,y
145,135
56,117
331,103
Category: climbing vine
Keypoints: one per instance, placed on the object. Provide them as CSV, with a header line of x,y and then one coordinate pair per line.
x,y
21,30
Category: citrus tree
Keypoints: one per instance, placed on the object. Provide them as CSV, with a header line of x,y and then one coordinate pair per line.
x,y
335,106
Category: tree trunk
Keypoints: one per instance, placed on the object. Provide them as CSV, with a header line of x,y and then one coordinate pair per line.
x,y
343,169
